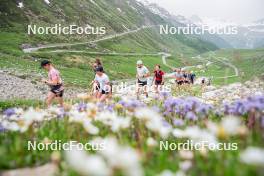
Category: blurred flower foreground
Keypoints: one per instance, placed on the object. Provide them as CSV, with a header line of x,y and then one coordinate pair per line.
x,y
138,138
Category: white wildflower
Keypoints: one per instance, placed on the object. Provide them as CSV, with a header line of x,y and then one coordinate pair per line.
x,y
121,157
76,116
185,165
166,173
231,125
90,128
120,123
253,156
153,121
86,164
186,154
151,142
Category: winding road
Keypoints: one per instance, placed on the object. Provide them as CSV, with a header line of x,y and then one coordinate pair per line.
x,y
222,60
163,55
33,49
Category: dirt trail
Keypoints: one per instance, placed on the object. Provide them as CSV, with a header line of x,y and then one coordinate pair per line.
x,y
129,82
15,87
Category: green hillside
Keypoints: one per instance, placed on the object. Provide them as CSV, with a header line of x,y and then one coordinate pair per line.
x,y
117,16
249,64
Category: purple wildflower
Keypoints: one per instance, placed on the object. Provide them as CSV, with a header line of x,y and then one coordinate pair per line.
x,y
62,113
110,108
2,129
9,112
178,122
262,122
82,107
191,116
165,95
155,108
165,123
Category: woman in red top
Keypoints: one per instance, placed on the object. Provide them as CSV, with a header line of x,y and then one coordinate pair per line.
x,y
158,78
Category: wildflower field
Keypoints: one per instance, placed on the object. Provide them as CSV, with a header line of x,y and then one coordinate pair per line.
x,y
126,136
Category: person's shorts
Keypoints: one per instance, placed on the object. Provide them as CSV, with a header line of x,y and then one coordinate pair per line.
x,y
57,90
105,92
97,87
142,83
180,82
186,82
158,82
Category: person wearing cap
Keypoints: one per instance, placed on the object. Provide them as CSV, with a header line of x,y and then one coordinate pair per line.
x,y
102,81
55,83
142,78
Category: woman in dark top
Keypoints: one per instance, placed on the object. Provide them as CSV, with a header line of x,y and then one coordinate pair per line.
x,y
158,78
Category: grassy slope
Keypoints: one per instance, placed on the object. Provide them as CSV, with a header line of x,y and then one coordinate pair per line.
x,y
74,65
103,13
12,35
250,64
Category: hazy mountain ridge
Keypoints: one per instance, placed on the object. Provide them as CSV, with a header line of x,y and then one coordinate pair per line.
x,y
249,35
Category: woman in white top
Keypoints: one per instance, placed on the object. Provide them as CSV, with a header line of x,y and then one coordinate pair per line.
x,y
103,89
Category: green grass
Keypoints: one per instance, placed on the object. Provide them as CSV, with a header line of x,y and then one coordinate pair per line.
x,y
76,68
19,103
250,64
10,43
14,34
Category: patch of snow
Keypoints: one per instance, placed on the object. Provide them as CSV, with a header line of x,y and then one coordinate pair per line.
x,y
119,10
157,12
144,2
182,19
20,5
125,27
92,1
217,22
47,2
132,7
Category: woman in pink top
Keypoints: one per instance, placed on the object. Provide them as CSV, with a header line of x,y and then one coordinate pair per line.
x,y
54,82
